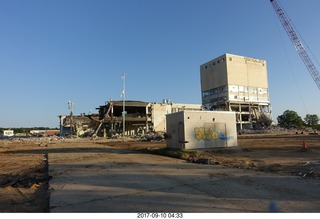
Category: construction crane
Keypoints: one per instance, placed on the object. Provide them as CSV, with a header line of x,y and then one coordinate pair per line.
x,y
296,42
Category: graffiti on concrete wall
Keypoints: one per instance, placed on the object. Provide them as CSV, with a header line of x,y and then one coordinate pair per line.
x,y
210,134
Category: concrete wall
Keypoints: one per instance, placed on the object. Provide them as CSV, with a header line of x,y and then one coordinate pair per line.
x,y
234,78
160,110
213,73
246,71
201,130
247,78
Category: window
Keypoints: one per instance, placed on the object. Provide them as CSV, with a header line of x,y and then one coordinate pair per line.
x,y
234,89
205,93
253,90
205,67
230,59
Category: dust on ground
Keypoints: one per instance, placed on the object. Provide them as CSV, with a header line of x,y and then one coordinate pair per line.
x,y
24,162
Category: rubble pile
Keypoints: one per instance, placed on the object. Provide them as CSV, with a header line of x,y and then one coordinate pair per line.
x,y
309,169
45,140
40,141
276,130
153,136
205,161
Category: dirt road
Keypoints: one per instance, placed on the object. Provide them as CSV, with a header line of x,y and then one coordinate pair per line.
x,y
107,176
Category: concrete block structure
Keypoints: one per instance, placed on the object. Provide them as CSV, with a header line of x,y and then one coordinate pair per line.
x,y
236,83
201,130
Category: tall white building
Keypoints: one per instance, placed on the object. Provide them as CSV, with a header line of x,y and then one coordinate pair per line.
x,y
236,83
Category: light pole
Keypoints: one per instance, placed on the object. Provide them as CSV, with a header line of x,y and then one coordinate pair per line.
x,y
70,106
123,94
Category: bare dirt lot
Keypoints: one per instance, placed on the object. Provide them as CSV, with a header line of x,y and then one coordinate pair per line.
x,y
24,163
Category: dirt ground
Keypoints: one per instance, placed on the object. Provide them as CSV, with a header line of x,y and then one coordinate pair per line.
x,y
24,162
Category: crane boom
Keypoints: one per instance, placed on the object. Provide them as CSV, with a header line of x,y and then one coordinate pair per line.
x,y
296,42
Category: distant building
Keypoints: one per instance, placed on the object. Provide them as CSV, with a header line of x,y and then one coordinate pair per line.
x,y
236,83
7,133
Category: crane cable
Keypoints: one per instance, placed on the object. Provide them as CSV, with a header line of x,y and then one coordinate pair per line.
x,y
300,36
289,63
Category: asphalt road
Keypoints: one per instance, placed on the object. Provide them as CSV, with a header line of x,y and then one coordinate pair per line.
x,y
110,180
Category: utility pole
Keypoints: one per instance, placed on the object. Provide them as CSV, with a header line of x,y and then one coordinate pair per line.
x,y
70,106
123,94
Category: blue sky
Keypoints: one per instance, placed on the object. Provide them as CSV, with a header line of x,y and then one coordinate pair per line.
x,y
53,51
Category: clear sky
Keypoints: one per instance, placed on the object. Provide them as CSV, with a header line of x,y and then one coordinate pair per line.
x,y
53,51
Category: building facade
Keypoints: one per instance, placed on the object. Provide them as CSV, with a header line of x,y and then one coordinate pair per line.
x,y
236,83
140,118
201,130
7,133
160,110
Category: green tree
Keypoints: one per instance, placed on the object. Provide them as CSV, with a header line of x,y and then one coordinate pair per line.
x,y
290,119
311,120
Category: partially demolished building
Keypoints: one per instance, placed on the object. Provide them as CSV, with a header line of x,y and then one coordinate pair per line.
x,y
239,84
79,125
140,118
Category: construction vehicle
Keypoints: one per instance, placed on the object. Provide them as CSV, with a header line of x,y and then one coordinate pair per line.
x,y
296,42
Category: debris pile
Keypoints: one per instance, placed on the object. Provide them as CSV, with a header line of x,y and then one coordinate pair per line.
x,y
309,170
277,130
153,136
40,141
43,141
206,161
305,174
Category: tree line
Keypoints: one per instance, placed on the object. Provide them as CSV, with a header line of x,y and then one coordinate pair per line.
x,y
291,119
